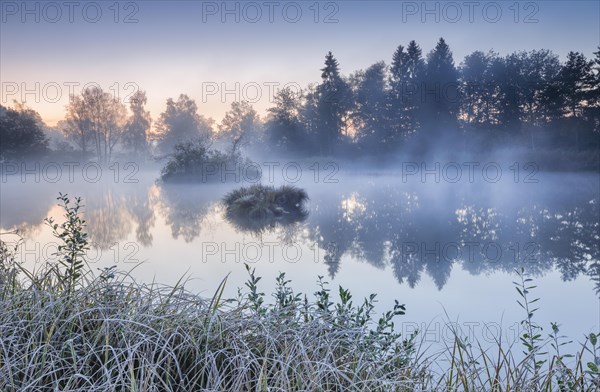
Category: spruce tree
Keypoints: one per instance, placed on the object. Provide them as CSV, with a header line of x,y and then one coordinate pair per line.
x,y
440,94
332,107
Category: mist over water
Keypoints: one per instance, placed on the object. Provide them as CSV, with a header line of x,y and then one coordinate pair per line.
x,y
418,237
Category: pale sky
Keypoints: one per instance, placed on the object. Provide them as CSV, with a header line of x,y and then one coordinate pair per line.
x,y
48,49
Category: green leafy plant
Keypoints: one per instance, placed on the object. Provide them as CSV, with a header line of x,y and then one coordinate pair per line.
x,y
71,252
532,335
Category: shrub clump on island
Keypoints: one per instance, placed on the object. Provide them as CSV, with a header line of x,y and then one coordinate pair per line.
x,y
62,328
194,161
259,207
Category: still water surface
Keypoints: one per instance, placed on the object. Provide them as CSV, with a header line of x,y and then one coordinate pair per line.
x,y
446,250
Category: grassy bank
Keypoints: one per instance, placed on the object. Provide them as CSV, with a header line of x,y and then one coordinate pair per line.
x,y
64,327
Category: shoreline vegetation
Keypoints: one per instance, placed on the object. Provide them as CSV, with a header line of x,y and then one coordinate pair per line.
x,y
64,327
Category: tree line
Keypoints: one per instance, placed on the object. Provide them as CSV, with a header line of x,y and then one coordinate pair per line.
x,y
525,99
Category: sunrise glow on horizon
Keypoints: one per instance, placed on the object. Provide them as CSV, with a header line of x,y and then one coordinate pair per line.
x,y
218,54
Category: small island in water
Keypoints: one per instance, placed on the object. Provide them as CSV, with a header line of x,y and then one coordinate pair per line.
x,y
259,207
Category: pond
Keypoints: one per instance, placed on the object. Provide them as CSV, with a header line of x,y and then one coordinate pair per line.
x,y
447,249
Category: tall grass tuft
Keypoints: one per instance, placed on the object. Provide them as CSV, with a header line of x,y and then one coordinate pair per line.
x,y
64,328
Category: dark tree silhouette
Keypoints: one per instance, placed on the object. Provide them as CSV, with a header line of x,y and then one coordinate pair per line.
x,y
476,93
506,73
334,99
369,112
397,109
440,91
575,80
407,75
592,111
283,127
539,71
21,133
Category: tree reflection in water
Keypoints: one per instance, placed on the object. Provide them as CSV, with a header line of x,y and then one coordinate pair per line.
x,y
411,230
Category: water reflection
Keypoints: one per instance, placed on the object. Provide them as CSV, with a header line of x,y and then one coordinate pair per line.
x,y
185,207
413,230
24,206
419,232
